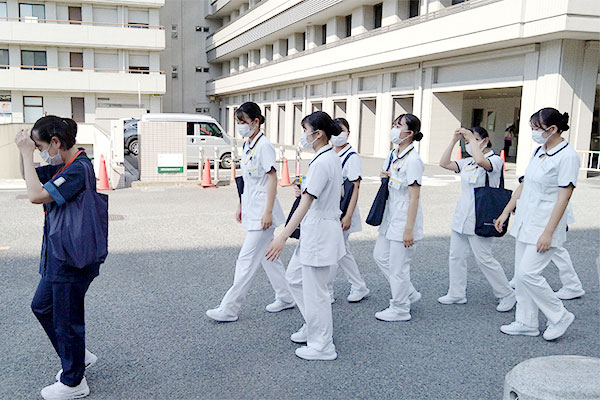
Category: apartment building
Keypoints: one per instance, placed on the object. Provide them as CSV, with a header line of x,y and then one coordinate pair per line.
x,y
184,58
453,63
71,58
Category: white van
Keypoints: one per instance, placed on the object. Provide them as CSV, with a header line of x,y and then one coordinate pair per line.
x,y
202,130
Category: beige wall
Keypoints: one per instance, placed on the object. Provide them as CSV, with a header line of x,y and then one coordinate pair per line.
x,y
9,153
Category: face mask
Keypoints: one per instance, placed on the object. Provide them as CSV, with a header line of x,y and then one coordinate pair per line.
x,y
244,130
468,148
340,140
304,141
537,136
395,136
52,160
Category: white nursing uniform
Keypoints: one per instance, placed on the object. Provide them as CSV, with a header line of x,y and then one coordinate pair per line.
x,y
258,159
391,256
463,235
548,171
351,171
321,245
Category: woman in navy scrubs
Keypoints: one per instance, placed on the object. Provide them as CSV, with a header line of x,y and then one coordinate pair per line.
x,y
58,303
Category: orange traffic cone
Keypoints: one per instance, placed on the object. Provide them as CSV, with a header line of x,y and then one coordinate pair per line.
x,y
502,156
206,179
285,174
459,157
103,181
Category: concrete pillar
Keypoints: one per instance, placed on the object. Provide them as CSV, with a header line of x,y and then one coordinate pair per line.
x,y
435,5
12,11
226,19
243,62
362,20
16,102
583,112
244,7
234,14
295,43
87,13
252,3
335,29
391,12
52,56
225,68
314,35
14,56
424,7
154,16
266,53
88,58
89,104
50,10
154,61
253,58
280,49
233,65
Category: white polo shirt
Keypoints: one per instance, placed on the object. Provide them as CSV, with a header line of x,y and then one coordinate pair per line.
x,y
352,171
473,176
547,171
321,238
406,169
258,159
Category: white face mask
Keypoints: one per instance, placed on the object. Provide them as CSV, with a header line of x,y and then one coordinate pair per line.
x,y
52,160
538,135
395,136
340,140
245,130
304,141
468,148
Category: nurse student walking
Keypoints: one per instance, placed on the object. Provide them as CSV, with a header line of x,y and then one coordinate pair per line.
x,y
473,171
540,225
321,243
73,247
260,213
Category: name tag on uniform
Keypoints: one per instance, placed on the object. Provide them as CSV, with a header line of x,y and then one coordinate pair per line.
x,y
473,179
394,183
59,181
250,171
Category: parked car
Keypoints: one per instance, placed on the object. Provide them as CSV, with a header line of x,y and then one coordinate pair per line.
x,y
130,134
202,130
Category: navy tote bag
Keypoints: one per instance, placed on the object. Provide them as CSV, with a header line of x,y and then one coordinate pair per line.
x,y
78,234
489,204
375,216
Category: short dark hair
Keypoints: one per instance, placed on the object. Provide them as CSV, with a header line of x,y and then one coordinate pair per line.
x,y
65,129
482,134
546,117
342,122
320,120
413,123
252,110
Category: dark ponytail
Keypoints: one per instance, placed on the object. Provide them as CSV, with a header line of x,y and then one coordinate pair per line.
x,y
482,134
546,117
252,110
413,123
320,120
65,129
342,122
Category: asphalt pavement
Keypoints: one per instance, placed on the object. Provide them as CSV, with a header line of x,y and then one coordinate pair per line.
x,y
172,256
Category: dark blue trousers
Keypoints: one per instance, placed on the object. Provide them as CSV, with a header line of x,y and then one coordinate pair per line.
x,y
59,306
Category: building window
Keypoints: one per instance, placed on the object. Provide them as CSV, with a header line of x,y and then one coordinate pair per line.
x,y
138,18
139,70
324,34
202,69
174,34
33,59
75,15
4,61
76,61
303,45
348,25
32,12
414,7
3,12
377,15
202,110
202,28
33,108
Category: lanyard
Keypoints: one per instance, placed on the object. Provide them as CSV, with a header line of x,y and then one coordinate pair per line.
x,y
403,161
253,150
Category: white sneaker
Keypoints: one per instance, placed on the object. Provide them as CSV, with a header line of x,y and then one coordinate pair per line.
x,y
279,305
517,328
556,331
414,297
90,359
219,315
301,336
447,299
60,391
512,283
568,294
357,295
507,303
308,353
390,315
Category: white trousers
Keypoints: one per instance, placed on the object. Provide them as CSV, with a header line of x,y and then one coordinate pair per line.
x,y
308,285
252,254
394,261
566,271
489,266
350,268
532,290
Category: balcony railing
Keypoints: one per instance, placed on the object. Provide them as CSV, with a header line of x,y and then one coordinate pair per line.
x,y
467,5
136,70
89,23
